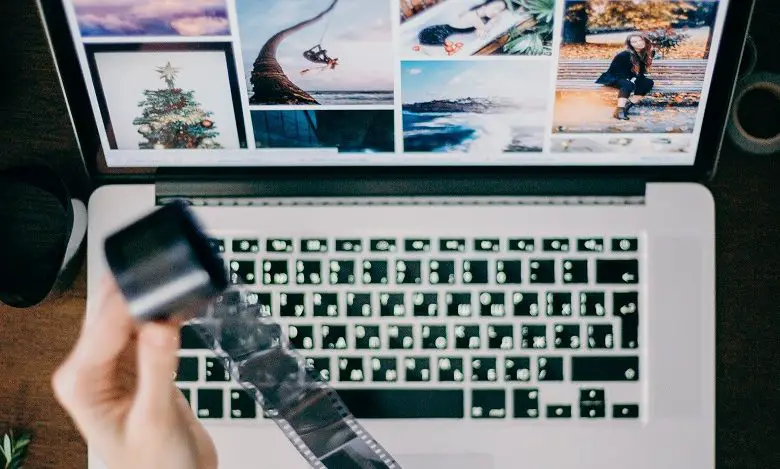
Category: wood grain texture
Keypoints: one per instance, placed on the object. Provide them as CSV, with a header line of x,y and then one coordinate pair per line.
x,y
33,342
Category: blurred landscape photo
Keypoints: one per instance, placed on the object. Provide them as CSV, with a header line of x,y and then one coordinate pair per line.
x,y
486,107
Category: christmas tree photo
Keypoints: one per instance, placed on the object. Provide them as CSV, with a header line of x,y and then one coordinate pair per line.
x,y
172,118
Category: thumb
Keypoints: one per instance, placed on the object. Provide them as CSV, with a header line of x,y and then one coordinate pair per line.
x,y
158,344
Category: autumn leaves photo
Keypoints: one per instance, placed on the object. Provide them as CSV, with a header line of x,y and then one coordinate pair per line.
x,y
631,67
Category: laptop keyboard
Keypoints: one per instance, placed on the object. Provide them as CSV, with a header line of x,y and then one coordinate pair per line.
x,y
484,328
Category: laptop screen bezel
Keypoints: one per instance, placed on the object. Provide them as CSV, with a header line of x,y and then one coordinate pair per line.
x,y
714,125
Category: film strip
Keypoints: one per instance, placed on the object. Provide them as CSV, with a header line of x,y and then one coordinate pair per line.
x,y
259,356
165,266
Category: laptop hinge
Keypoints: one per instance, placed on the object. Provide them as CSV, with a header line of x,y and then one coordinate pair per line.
x,y
410,190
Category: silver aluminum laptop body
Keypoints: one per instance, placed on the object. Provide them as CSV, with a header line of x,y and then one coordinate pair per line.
x,y
472,315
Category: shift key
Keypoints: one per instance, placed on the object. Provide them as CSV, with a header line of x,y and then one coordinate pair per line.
x,y
404,403
604,368
617,271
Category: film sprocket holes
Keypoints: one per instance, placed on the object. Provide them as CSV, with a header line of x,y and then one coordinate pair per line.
x,y
164,266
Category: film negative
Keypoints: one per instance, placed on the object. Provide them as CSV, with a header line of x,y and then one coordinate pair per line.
x,y
164,266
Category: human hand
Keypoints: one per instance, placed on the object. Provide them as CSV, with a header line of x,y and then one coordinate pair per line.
x,y
117,385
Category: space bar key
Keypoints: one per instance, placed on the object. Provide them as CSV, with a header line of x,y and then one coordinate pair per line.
x,y
366,403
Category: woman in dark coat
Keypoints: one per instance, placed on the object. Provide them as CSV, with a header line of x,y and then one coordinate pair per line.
x,y
627,74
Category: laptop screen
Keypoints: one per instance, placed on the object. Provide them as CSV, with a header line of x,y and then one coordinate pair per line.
x,y
397,82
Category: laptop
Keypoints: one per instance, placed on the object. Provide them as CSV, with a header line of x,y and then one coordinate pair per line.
x,y
484,223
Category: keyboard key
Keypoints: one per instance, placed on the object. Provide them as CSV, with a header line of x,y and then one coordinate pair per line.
x,y
590,245
549,368
533,336
217,245
374,272
626,307
359,304
188,369
458,304
246,245
558,304
451,369
600,336
567,336
434,337
484,369
408,272
215,371
190,340
509,272
351,369
604,368
383,245
392,305
575,271
475,272
625,411
342,272
261,302
452,245
417,245
517,369
625,244
384,370
279,245
501,337
522,244
301,337
525,304
325,305
425,304
542,271
314,245
404,403
488,403
400,337
308,272
491,304
617,271
592,304
292,305
242,405
467,337
441,272
487,245
275,273
242,272
555,245
334,337
559,411
187,395
210,404
349,245
320,366
417,369
367,337
526,403
592,403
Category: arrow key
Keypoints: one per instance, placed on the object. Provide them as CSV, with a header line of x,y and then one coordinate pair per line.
x,y
617,271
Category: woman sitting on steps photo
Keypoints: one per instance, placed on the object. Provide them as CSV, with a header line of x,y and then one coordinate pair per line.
x,y
627,73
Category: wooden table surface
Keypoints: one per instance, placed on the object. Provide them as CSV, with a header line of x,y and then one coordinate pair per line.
x,y
34,123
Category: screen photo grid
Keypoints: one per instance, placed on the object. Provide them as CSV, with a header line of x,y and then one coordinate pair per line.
x,y
517,81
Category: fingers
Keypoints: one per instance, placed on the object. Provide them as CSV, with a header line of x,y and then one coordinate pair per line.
x,y
157,344
207,452
108,331
101,341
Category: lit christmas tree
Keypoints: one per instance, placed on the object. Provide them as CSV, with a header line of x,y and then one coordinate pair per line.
x,y
171,118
